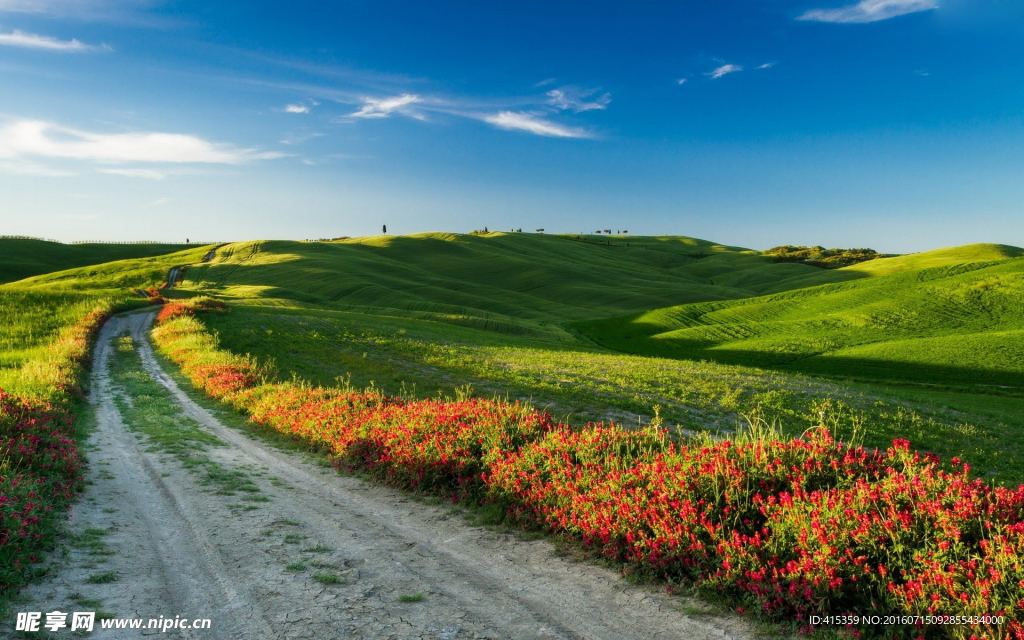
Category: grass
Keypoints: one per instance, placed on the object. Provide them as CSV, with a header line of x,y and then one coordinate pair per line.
x,y
582,325
34,311
920,320
103,578
581,382
327,577
319,548
411,597
507,283
26,257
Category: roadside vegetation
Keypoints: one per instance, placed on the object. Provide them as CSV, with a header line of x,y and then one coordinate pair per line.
x,y
40,464
578,383
784,527
47,328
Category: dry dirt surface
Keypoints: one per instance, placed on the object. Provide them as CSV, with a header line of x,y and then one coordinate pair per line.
x,y
175,548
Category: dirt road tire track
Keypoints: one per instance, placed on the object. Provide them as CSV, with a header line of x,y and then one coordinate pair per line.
x,y
192,554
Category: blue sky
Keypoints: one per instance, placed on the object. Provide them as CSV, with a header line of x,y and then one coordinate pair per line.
x,y
893,124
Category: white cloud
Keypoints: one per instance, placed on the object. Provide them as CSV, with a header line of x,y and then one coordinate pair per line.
x,y
44,139
374,108
296,108
18,38
149,174
576,99
767,65
528,122
869,11
724,70
682,81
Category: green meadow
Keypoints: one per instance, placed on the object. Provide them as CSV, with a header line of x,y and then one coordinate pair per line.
x,y
951,318
597,328
34,310
27,257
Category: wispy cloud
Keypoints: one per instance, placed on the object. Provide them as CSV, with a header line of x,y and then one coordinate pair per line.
x,y
18,38
384,107
767,65
296,108
38,138
149,174
723,70
531,123
869,11
578,100
681,81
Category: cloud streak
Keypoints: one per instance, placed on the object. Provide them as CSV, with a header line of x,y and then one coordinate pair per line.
x,y
38,138
296,108
148,174
723,70
531,123
570,98
24,40
384,107
868,11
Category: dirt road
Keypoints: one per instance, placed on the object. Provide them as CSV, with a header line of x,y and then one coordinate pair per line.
x,y
170,545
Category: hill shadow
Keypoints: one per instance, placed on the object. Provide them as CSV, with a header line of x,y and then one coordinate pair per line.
x,y
970,379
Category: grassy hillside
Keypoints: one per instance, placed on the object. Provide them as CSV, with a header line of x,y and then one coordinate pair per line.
x,y
34,310
23,258
425,314
514,283
579,382
949,317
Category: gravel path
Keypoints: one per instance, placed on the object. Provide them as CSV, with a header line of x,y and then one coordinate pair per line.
x,y
177,548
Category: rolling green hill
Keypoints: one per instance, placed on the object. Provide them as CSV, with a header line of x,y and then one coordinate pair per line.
x,y
950,317
427,314
512,283
34,310
24,257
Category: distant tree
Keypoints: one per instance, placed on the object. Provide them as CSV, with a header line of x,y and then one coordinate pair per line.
x,y
819,256
385,229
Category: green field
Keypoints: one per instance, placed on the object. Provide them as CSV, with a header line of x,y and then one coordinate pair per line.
x,y
951,317
34,310
26,257
521,284
591,328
